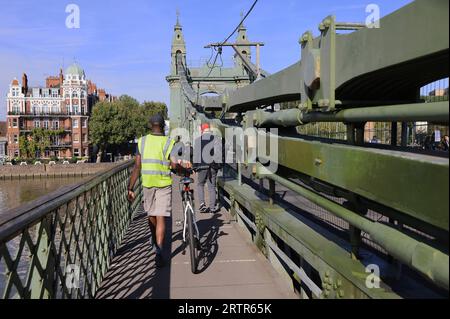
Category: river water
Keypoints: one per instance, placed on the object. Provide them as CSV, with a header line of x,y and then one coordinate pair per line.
x,y
14,193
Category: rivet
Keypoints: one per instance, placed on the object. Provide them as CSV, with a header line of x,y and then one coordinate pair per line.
x,y
341,293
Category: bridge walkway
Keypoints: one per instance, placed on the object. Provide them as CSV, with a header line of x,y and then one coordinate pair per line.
x,y
231,267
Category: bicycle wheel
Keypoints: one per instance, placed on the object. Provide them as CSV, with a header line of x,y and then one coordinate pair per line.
x,y
192,243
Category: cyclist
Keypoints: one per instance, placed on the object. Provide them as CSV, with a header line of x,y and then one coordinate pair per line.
x,y
207,162
153,162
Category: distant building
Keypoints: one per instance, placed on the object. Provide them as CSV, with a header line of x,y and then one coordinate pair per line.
x,y
65,103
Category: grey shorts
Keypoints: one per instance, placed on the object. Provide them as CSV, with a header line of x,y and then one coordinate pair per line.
x,y
158,201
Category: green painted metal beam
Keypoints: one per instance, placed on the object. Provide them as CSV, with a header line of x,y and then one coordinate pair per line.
x,y
323,254
431,112
430,262
413,184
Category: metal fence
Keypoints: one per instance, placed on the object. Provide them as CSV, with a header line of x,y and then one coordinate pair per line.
x,y
60,245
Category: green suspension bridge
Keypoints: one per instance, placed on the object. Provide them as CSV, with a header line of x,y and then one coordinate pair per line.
x,y
339,218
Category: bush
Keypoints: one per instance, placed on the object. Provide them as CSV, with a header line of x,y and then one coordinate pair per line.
x,y
74,160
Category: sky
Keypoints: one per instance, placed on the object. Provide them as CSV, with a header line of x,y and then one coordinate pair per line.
x,y
124,46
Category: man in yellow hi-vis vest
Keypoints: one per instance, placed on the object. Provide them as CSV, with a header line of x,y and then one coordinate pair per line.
x,y
153,163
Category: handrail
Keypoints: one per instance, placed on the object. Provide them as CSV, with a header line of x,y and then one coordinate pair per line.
x,y
12,220
60,245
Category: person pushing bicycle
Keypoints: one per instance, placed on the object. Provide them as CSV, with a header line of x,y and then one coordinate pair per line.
x,y
154,160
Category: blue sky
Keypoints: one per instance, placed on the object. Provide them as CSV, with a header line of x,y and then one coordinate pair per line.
x,y
124,46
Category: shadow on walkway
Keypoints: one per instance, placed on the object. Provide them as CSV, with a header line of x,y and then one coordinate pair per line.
x,y
132,273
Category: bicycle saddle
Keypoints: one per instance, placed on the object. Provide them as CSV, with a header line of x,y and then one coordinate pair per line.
x,y
186,180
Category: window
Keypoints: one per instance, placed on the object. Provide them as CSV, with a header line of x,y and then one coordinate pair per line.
x,y
75,123
75,94
35,92
45,109
85,137
14,123
36,109
16,108
76,138
16,153
55,93
84,123
16,139
56,125
75,109
76,152
37,124
46,124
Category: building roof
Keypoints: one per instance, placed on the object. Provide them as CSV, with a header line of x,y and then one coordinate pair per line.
x,y
75,69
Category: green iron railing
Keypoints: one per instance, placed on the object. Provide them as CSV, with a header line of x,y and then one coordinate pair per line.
x,y
60,245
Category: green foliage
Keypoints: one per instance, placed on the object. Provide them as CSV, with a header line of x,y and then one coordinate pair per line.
x,y
118,122
38,140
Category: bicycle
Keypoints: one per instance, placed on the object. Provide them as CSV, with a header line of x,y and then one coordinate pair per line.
x,y
189,222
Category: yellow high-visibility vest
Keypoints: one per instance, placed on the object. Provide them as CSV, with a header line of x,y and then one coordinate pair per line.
x,y
155,160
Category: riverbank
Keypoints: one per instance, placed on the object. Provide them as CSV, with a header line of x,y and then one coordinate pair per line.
x,y
8,172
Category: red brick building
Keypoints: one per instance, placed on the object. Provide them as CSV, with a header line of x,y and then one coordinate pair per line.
x,y
64,104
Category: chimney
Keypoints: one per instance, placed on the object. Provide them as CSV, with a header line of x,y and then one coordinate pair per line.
x,y
24,84
61,80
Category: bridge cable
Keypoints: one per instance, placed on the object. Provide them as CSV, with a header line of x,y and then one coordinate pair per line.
x,y
219,51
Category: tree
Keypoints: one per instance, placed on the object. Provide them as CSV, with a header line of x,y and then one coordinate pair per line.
x,y
116,123
38,140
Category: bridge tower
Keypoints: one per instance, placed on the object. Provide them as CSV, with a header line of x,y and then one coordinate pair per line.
x,y
243,39
178,46
204,79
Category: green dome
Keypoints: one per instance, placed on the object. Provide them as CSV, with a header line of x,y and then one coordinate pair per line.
x,y
75,69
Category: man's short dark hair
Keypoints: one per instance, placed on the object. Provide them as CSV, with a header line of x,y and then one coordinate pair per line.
x,y
157,119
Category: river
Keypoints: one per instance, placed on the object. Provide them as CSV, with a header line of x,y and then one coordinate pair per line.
x,y
14,193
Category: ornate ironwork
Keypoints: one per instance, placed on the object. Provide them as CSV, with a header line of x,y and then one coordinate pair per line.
x,y
60,246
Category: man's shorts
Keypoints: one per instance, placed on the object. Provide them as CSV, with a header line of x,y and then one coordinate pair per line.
x,y
158,201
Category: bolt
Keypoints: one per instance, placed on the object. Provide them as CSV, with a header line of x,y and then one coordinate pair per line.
x,y
341,293
317,162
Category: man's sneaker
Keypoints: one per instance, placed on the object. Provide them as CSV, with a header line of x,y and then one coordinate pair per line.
x,y
203,209
216,209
